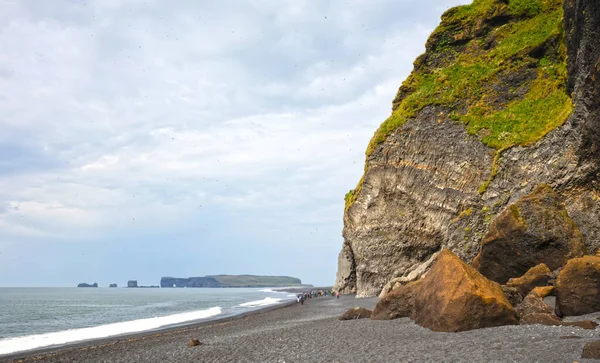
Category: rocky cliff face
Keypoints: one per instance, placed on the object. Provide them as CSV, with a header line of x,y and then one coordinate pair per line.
x,y
506,98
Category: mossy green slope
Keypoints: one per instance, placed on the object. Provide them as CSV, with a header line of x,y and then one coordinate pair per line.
x,y
467,69
463,85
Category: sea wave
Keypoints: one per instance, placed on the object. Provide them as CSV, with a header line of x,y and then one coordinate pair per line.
x,y
264,302
18,344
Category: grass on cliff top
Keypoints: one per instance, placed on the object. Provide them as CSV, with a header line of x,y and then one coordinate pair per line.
x,y
463,86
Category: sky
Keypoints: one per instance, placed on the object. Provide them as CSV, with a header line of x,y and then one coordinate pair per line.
x,y
142,139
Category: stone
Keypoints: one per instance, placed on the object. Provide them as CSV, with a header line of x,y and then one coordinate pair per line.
x,y
356,313
591,350
539,275
553,320
578,287
536,229
112,285
132,283
417,273
399,303
544,291
512,294
194,343
455,297
533,304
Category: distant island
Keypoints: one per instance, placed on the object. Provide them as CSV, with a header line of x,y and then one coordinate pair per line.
x,y
83,284
112,285
230,281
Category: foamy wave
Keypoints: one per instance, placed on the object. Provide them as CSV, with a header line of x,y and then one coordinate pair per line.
x,y
277,292
28,342
264,302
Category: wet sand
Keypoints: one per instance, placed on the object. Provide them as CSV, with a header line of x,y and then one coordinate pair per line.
x,y
312,333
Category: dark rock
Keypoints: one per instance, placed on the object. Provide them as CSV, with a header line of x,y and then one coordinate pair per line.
x,y
398,303
591,350
194,343
536,229
539,275
578,287
544,291
512,294
533,304
553,320
132,283
112,285
356,313
83,284
455,297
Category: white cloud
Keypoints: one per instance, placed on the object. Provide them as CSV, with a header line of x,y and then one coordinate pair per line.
x,y
140,118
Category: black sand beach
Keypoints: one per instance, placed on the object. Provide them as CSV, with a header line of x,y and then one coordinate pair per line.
x,y
312,333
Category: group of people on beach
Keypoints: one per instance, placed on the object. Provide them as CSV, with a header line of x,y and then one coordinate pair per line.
x,y
318,293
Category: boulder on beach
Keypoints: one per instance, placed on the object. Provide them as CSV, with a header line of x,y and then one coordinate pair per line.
x,y
356,313
553,320
112,285
591,350
539,275
536,229
578,287
512,294
414,275
533,310
533,304
455,297
193,343
544,291
398,303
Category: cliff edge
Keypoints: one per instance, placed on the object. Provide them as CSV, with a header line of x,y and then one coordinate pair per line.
x,y
505,99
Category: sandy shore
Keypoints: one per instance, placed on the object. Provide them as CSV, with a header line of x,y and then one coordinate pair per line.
x,y
312,333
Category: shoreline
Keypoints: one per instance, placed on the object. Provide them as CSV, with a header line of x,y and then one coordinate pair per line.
x,y
41,352
313,333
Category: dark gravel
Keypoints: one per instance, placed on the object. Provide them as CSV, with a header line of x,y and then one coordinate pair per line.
x,y
312,333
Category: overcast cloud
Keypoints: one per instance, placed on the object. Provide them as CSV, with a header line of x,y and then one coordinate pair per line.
x,y
149,138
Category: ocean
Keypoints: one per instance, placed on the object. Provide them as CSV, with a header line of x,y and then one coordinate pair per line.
x,y
40,317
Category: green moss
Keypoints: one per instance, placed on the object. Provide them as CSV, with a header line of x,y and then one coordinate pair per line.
x,y
463,86
353,194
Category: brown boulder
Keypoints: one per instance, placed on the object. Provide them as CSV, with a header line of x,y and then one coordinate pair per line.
x,y
533,304
194,342
578,287
591,350
544,291
512,294
356,313
455,297
553,320
536,229
399,303
539,275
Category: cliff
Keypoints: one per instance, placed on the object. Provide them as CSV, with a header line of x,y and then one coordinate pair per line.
x,y
230,281
504,99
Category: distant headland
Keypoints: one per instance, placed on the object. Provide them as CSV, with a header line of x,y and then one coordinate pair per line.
x,y
230,281
216,281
